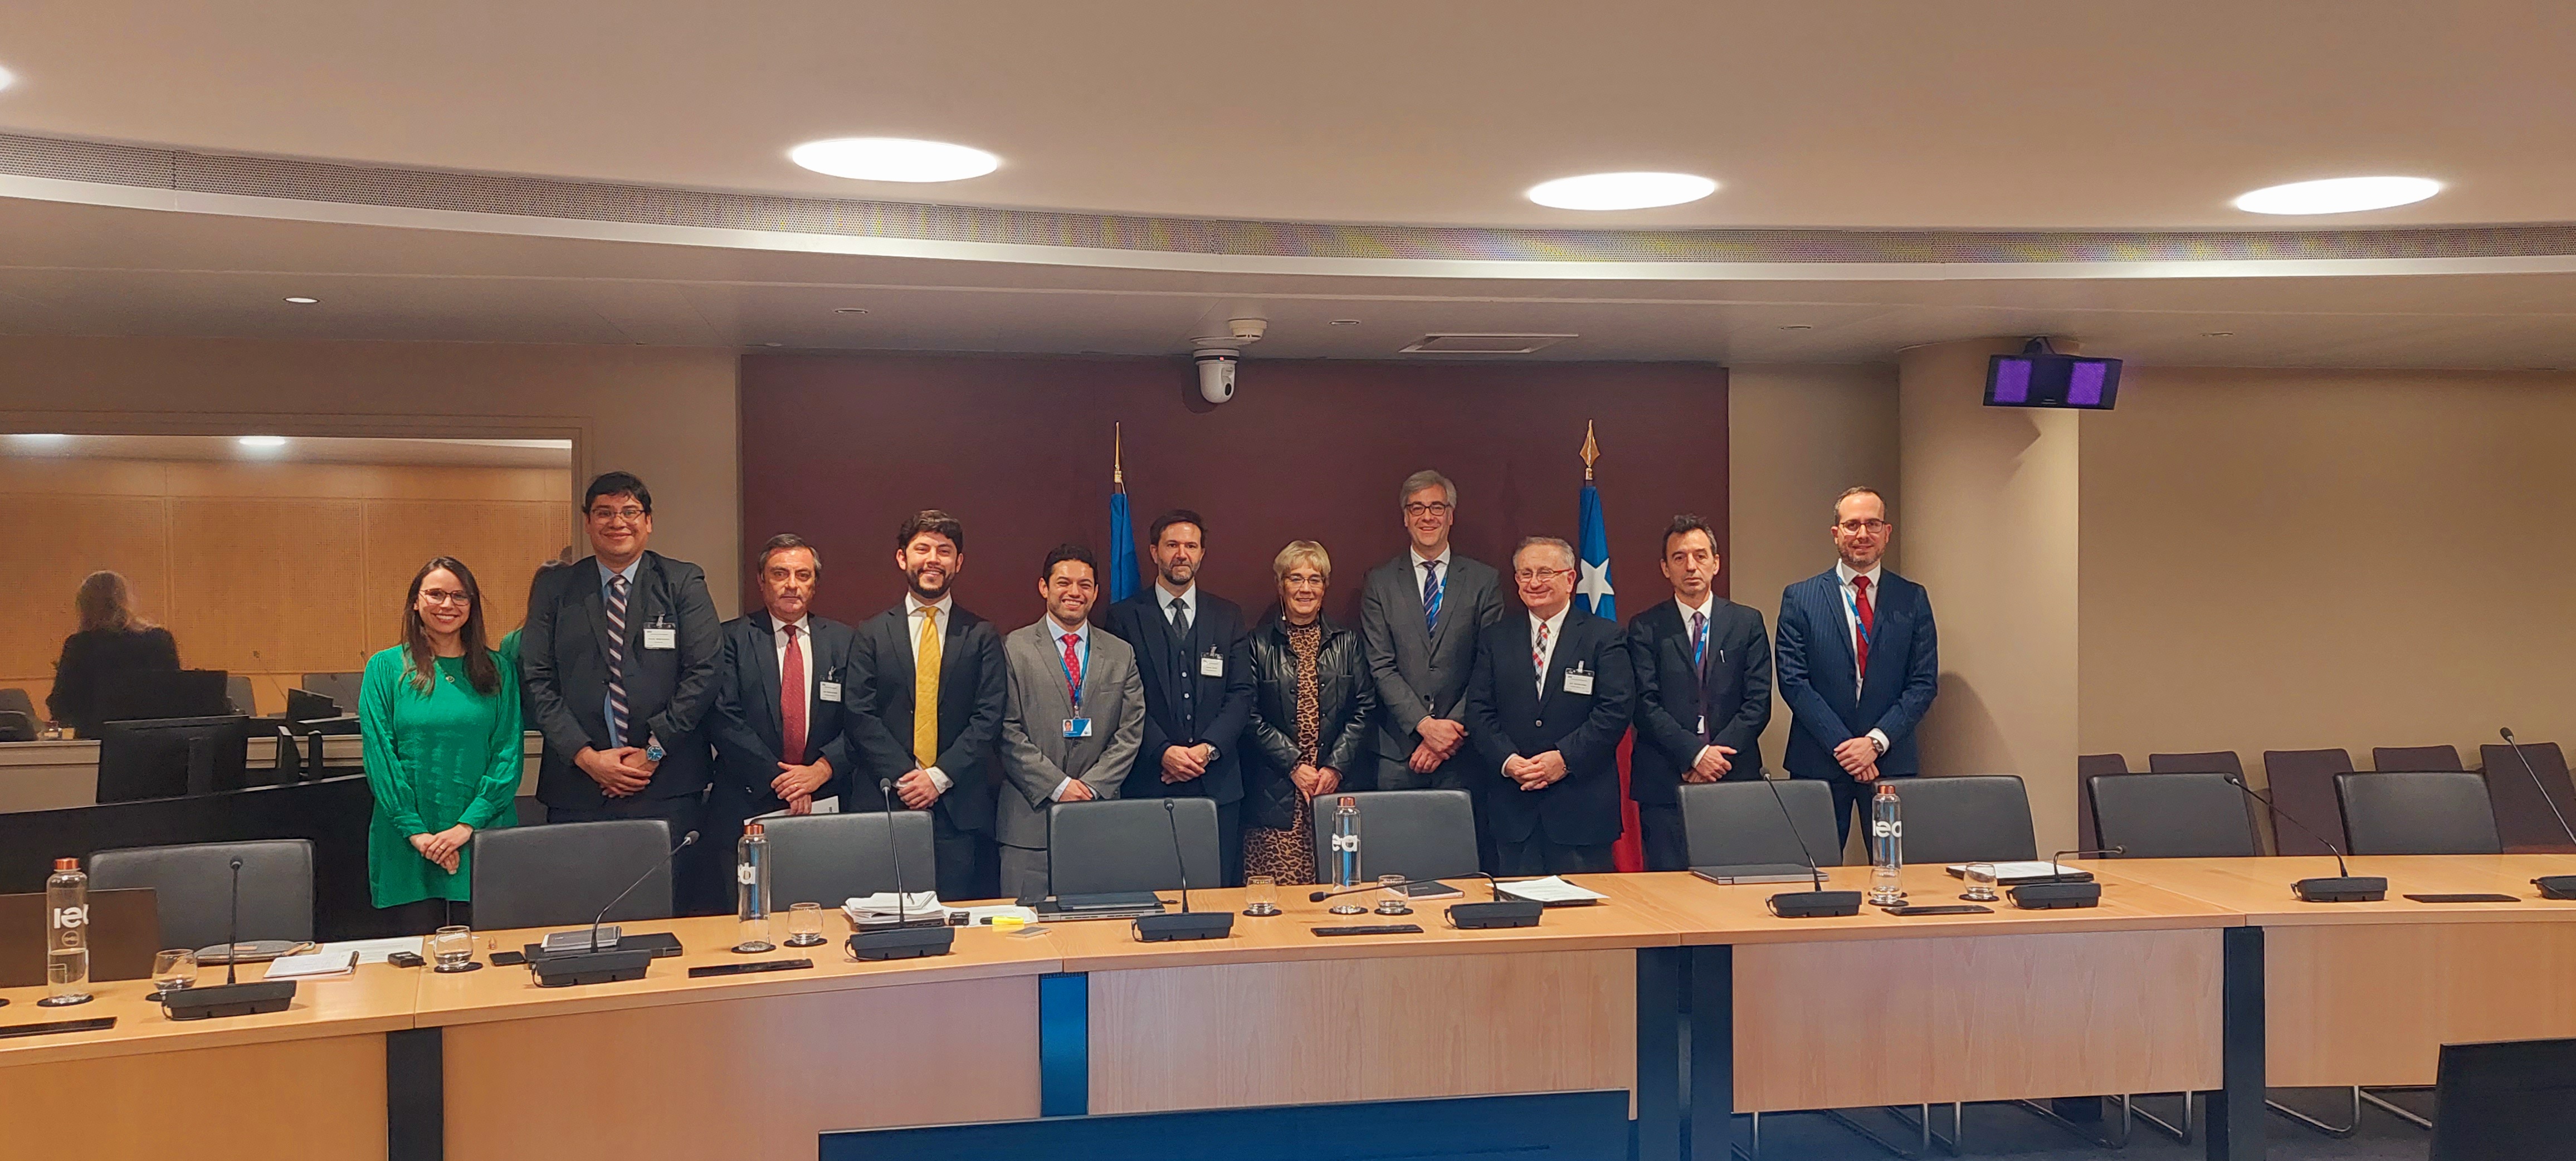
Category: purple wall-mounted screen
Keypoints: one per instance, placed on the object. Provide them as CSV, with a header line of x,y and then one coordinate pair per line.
x,y
2052,380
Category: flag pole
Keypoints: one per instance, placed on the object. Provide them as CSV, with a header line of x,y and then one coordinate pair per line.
x,y
1118,455
1591,450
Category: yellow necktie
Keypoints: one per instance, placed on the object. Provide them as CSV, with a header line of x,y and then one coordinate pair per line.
x,y
925,691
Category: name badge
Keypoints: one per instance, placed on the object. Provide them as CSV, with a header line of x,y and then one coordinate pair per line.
x,y
661,637
1077,727
1212,665
1702,729
828,690
1577,681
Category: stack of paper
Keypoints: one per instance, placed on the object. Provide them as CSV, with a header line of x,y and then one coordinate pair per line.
x,y
1553,891
879,909
311,965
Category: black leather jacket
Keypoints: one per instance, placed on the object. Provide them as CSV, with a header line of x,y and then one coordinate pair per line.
x,y
1343,693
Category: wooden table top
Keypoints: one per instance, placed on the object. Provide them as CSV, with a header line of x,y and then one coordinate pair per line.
x,y
377,998
1712,913
2259,889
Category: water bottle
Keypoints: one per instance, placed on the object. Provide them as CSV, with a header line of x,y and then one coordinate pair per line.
x,y
751,879
66,936
1346,854
1887,847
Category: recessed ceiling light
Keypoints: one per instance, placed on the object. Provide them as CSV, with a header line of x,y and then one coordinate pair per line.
x,y
893,159
1345,322
7,78
850,310
2339,195
263,442
773,344
301,300
1621,191
1797,326
42,436
2218,334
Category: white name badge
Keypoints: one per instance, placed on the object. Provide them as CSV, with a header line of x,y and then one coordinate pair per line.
x,y
1077,727
661,638
1703,727
1578,683
1212,665
828,690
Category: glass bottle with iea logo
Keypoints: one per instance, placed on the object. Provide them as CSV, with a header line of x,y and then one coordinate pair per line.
x,y
1887,847
66,936
1346,854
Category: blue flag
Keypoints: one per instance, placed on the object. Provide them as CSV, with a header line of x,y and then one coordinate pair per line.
x,y
1122,548
1592,541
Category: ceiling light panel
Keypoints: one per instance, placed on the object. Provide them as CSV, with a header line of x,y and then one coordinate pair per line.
x,y
893,159
2339,195
1621,191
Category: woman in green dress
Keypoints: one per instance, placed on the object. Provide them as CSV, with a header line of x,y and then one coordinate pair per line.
x,y
440,715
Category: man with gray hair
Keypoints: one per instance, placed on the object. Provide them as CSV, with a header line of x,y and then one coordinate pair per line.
x,y
1546,707
777,720
1420,617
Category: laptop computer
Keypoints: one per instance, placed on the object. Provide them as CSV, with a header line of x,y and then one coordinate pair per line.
x,y
1740,873
124,932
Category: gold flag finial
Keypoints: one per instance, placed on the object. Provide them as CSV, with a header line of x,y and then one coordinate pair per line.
x,y
1118,454
1591,449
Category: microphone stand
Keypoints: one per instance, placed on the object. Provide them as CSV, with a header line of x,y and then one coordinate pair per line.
x,y
1188,924
2551,886
590,964
1465,916
230,998
2060,890
1816,904
904,941
2344,887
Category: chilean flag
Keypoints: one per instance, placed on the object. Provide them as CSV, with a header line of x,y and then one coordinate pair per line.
x,y
1594,594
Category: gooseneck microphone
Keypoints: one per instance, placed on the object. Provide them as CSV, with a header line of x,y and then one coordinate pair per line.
x,y
2060,889
230,998
903,941
685,841
2344,887
1465,916
2551,886
1187,924
591,964
1816,904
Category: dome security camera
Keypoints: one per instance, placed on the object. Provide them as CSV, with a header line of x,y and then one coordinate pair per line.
x,y
1216,374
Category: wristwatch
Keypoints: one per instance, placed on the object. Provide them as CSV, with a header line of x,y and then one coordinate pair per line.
x,y
653,751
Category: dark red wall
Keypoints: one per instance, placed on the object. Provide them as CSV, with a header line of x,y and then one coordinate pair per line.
x,y
840,448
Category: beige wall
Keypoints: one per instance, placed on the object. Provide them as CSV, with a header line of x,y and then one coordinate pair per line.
x,y
1796,437
667,414
2297,559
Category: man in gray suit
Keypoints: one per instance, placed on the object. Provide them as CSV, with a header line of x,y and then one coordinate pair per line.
x,y
1076,718
1420,616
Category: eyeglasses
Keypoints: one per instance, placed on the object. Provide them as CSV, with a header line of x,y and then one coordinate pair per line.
x,y
1859,526
629,513
443,597
1433,509
1541,575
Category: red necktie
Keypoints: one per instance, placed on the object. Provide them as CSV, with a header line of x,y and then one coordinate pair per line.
x,y
1072,668
791,700
1860,643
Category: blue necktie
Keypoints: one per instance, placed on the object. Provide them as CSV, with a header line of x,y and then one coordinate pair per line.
x,y
1431,590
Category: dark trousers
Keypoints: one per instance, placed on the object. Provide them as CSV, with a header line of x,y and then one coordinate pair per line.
x,y
1537,856
970,865
1397,774
1667,841
1229,842
423,916
701,877
1851,798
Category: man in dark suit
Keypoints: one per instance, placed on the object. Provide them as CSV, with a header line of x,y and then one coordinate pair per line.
x,y
1858,663
929,713
1198,695
1420,617
1703,691
780,690
1546,707
618,658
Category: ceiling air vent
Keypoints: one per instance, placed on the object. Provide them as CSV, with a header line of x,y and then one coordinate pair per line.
x,y
1482,344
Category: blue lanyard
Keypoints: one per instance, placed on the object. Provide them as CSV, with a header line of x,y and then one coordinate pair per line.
x,y
1072,687
1852,608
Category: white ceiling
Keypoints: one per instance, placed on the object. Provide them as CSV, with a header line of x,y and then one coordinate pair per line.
x,y
1894,113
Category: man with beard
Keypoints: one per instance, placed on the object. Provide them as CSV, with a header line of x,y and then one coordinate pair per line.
x,y
1198,694
933,692
1858,662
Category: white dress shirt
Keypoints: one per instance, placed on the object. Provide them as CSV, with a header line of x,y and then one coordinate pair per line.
x,y
1707,612
1081,648
1163,598
1418,586
912,607
1555,627
1851,622
804,627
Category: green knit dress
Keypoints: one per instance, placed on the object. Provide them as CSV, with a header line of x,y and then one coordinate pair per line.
x,y
434,759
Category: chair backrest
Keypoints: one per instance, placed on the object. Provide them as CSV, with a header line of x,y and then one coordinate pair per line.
x,y
1739,823
2204,762
2088,833
2415,758
193,884
2303,787
2522,814
2175,816
828,858
1419,834
342,689
1100,847
17,700
2511,1101
561,874
237,691
2418,812
1964,818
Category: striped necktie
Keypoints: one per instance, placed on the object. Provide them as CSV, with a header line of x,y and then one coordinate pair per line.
x,y
617,657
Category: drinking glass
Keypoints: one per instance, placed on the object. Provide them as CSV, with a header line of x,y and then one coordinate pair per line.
x,y
1980,878
451,949
1392,898
804,924
174,969
1261,895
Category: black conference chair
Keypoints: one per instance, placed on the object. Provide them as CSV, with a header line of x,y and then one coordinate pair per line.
x,y
561,874
2424,812
237,691
2175,816
1736,824
18,720
2523,814
193,885
342,689
829,858
2415,758
2511,1101
2303,787
1966,818
1097,848
1419,834
2088,833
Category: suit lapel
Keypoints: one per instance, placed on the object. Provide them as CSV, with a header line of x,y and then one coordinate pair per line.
x,y
597,607
764,653
1413,580
1161,644
897,659
1828,599
952,639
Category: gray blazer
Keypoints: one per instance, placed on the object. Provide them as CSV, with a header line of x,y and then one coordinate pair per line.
x,y
1421,673
1036,756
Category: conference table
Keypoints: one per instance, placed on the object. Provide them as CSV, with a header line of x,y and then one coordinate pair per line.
x,y
2163,988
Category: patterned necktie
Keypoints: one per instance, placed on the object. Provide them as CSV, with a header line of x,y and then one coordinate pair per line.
x,y
1180,618
1538,658
1432,590
1072,669
617,658
791,701
1699,641
925,691
1868,625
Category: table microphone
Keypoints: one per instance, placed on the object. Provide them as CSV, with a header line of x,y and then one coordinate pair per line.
x,y
2551,886
1465,916
2345,887
1819,903
904,941
2059,890
230,998
1188,924
589,964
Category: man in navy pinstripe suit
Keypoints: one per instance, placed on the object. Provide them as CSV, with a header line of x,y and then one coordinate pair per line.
x,y
1857,663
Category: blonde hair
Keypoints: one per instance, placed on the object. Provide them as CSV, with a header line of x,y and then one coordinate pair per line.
x,y
107,602
1302,551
